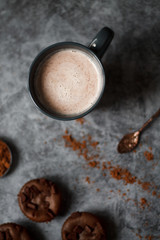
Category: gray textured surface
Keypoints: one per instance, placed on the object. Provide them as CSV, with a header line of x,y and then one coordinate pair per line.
x,y
132,94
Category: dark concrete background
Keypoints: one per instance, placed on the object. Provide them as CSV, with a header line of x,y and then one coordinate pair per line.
x,y
131,96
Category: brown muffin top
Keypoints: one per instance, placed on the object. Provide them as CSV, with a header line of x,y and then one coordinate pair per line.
x,y
40,200
82,226
12,231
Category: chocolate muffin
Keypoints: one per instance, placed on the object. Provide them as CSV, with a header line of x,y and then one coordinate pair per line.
x,y
40,200
12,231
83,226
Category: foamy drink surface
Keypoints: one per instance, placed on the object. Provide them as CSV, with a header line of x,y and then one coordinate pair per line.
x,y
68,82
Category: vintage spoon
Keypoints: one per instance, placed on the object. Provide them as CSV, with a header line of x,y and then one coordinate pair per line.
x,y
130,140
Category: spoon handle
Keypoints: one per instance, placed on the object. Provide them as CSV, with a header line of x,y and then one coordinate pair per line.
x,y
150,120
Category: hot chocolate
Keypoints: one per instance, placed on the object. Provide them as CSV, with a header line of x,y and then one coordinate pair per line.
x,y
68,82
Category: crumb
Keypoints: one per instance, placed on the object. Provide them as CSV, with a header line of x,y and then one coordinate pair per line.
x,y
143,203
88,180
148,155
66,131
154,193
80,120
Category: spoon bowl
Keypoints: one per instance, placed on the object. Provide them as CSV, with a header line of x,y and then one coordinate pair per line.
x,y
131,140
128,142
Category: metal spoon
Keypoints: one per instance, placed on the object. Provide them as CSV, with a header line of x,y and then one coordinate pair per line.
x,y
130,140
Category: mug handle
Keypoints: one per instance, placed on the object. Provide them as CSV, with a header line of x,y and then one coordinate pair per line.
x,y
101,41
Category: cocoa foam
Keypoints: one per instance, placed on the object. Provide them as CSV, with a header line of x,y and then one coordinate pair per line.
x,y
69,82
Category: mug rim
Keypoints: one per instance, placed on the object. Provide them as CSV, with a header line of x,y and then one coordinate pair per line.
x,y
40,106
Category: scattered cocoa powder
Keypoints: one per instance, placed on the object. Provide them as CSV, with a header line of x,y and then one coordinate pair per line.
x,y
93,164
83,148
143,203
80,120
104,167
87,148
148,237
88,180
133,200
154,165
154,193
148,155
119,173
122,174
145,185
146,224
138,235
94,144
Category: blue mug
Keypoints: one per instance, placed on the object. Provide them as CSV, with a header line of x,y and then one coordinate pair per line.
x,y
95,50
